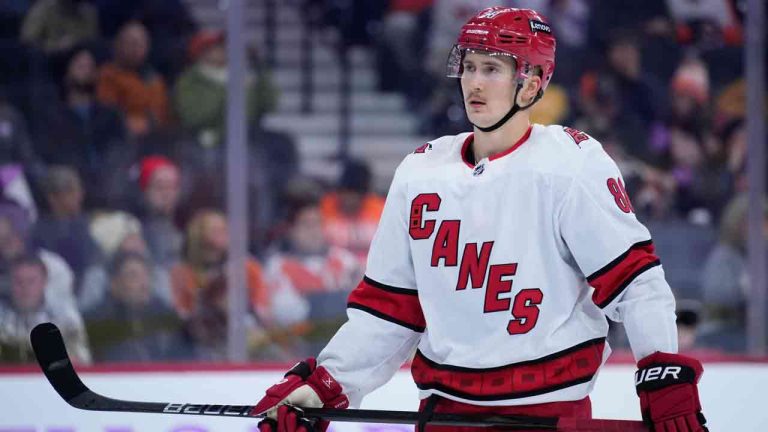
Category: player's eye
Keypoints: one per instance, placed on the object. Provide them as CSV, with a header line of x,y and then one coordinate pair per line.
x,y
469,67
491,69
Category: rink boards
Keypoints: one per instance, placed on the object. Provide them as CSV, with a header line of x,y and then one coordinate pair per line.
x,y
733,396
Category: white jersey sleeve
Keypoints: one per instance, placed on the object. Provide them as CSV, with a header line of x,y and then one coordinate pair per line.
x,y
385,317
616,254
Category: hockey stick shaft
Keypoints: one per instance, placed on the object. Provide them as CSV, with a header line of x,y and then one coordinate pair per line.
x,y
51,354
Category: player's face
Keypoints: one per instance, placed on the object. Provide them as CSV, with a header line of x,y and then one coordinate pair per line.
x,y
488,85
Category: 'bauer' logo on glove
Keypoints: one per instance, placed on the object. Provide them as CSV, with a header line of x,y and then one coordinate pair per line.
x,y
669,397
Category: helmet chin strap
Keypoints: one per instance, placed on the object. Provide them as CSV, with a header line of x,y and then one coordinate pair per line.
x,y
512,111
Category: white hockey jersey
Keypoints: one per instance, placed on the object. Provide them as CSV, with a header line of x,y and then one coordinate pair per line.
x,y
500,275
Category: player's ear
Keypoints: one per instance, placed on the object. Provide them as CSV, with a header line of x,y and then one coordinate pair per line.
x,y
531,87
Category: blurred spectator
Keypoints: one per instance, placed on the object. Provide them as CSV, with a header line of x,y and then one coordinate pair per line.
x,y
706,24
12,13
649,17
169,23
15,189
204,263
310,280
572,19
725,278
402,43
80,131
636,89
27,307
54,26
200,94
118,232
132,85
15,243
351,212
688,316
200,288
687,148
160,182
731,102
63,229
689,97
619,98
307,262
15,144
355,21
131,323
273,165
734,140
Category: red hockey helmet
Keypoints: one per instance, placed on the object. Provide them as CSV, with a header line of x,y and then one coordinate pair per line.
x,y
522,34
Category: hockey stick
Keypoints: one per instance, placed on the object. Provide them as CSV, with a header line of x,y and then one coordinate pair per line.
x,y
51,354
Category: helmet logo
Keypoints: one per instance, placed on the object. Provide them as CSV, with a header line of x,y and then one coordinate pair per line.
x,y
474,31
491,13
538,26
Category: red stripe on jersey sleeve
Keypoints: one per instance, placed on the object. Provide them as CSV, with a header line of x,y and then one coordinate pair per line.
x,y
397,305
611,280
573,366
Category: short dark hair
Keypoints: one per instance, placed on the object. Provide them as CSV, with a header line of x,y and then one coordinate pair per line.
x,y
356,176
61,178
121,258
688,312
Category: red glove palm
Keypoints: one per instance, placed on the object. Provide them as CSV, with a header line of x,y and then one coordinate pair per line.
x,y
669,397
305,385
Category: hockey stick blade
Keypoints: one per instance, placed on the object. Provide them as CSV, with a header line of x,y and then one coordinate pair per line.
x,y
51,354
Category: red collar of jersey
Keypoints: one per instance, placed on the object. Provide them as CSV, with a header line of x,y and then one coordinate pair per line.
x,y
466,151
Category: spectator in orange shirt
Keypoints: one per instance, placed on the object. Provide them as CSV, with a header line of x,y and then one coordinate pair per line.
x,y
309,280
199,285
352,212
132,85
304,264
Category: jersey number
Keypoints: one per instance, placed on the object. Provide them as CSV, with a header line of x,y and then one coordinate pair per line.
x,y
616,187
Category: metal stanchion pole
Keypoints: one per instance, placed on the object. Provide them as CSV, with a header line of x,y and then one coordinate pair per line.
x,y
754,51
237,181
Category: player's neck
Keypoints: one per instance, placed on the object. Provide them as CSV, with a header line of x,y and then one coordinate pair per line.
x,y
486,144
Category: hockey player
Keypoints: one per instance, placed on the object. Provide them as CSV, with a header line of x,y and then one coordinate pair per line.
x,y
498,257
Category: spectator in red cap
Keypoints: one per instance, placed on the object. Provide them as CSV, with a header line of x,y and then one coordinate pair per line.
x,y
159,181
200,95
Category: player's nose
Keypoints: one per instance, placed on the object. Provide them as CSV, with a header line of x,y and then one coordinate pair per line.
x,y
476,84
473,87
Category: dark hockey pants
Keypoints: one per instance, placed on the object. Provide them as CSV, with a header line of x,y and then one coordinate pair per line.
x,y
576,409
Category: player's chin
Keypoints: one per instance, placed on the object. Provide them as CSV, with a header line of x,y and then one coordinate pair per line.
x,y
480,119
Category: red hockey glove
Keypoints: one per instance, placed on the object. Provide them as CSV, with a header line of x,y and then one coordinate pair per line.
x,y
305,385
669,398
289,419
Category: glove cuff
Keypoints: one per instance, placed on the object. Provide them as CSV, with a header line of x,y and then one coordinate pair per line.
x,y
660,370
327,388
303,369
